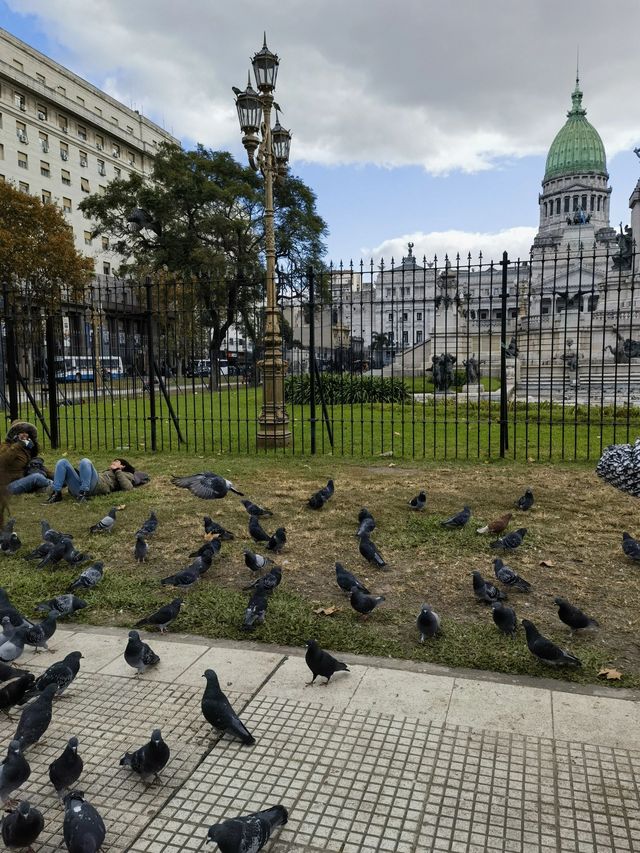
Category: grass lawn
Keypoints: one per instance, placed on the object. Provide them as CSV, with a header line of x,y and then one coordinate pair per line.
x,y
576,525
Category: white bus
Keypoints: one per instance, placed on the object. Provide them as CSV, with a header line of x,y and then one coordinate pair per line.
x,y
80,368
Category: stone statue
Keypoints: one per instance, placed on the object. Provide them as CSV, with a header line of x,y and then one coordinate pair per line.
x,y
624,258
473,370
442,371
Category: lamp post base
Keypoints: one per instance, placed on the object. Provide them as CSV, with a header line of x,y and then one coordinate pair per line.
x,y
273,422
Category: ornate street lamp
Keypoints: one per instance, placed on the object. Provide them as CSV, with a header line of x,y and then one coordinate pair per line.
x,y
268,151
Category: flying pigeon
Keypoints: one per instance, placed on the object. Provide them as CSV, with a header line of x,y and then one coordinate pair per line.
x,y
256,531
573,617
140,549
38,635
485,591
212,527
545,650
65,605
14,772
346,581
22,827
60,674
149,527
256,610
139,655
83,828
90,577
369,551
364,604
206,485
525,502
36,717
248,833
428,623
419,502
162,618
277,542
65,771
459,519
218,712
498,525
256,562
13,690
508,577
512,540
254,509
105,525
631,547
505,618
321,663
150,759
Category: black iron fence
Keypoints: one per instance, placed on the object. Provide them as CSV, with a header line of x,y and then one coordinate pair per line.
x,y
452,358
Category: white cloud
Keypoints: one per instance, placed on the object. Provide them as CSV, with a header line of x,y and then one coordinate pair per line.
x,y
445,86
516,241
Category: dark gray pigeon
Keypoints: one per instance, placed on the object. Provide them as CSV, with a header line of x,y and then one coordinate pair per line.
x,y
346,581
140,549
8,673
511,541
40,551
36,717
256,610
256,531
83,828
8,537
573,616
89,578
106,524
525,502
364,604
267,583
22,827
13,690
65,605
419,502
164,617
139,655
508,577
61,550
11,545
428,623
457,520
150,759
148,527
213,528
184,579
369,551
247,833
321,663
65,771
254,509
208,551
256,562
277,542
366,526
38,635
207,485
505,618
60,674
485,591
545,650
14,772
631,547
217,710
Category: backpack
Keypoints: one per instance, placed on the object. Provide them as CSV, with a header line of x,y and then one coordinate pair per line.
x,y
619,466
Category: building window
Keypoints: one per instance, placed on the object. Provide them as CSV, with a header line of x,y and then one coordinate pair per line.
x,y
566,204
389,316
88,239
129,129
45,169
66,177
64,151
40,78
131,158
545,209
101,168
80,100
99,142
105,243
42,112
21,131
0,119
116,172
46,197
20,101
115,150
575,202
599,199
23,187
419,315
98,110
114,119
63,124
419,336
84,159
84,185
593,202
44,142
405,337
106,268
61,90
23,160
1,151
66,204
557,205
82,132
584,202
405,317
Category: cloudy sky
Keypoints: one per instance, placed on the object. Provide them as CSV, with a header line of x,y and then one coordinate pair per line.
x,y
412,120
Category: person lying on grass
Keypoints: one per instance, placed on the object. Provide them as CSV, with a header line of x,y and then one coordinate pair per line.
x,y
85,482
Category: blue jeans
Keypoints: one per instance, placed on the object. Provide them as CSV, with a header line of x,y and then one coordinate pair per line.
x,y
66,475
30,483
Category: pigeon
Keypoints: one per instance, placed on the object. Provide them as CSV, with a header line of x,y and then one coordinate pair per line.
x,y
485,591
254,509
328,490
573,617
218,712
13,690
369,551
7,672
512,350
209,550
631,547
318,499
51,535
150,759
12,641
83,828
7,609
60,674
364,513
61,550
322,663
256,562
185,578
65,605
505,618
419,502
14,771
22,827
90,577
367,525
139,655
508,577
65,771
497,525
256,531
256,610
40,551
545,650
248,833
140,549
162,618
346,581
11,545
267,583
511,541
6,531
525,502
428,623
362,603
105,525
36,717
207,485
148,527
277,542
457,520
38,635
212,527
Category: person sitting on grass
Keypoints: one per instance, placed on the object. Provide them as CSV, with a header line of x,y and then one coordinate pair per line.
x,y
85,482
21,468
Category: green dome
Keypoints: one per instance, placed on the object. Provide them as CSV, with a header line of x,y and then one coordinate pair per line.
x,y
577,146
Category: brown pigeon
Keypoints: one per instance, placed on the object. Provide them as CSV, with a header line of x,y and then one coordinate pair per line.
x,y
498,525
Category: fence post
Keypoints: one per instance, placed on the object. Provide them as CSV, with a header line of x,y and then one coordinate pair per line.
x,y
312,357
504,409
150,361
10,353
50,339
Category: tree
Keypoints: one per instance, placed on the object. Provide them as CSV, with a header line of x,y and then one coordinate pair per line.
x,y
199,217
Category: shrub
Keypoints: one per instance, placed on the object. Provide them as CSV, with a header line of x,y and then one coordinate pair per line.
x,y
342,388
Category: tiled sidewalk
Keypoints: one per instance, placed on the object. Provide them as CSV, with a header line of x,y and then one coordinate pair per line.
x,y
389,757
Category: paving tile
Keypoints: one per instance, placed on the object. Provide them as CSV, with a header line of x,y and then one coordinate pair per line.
x,y
507,707
237,669
596,719
289,681
391,691
98,650
175,658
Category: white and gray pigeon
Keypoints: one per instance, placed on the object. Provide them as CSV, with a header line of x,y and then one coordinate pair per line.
x,y
256,562
65,604
546,651
11,641
248,833
428,623
140,656
217,711
83,828
89,578
106,524
508,577
150,759
207,485
14,772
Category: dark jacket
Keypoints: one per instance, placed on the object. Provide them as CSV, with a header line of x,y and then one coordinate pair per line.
x,y
114,481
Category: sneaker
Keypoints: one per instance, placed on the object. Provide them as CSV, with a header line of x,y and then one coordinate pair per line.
x,y
82,496
54,498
